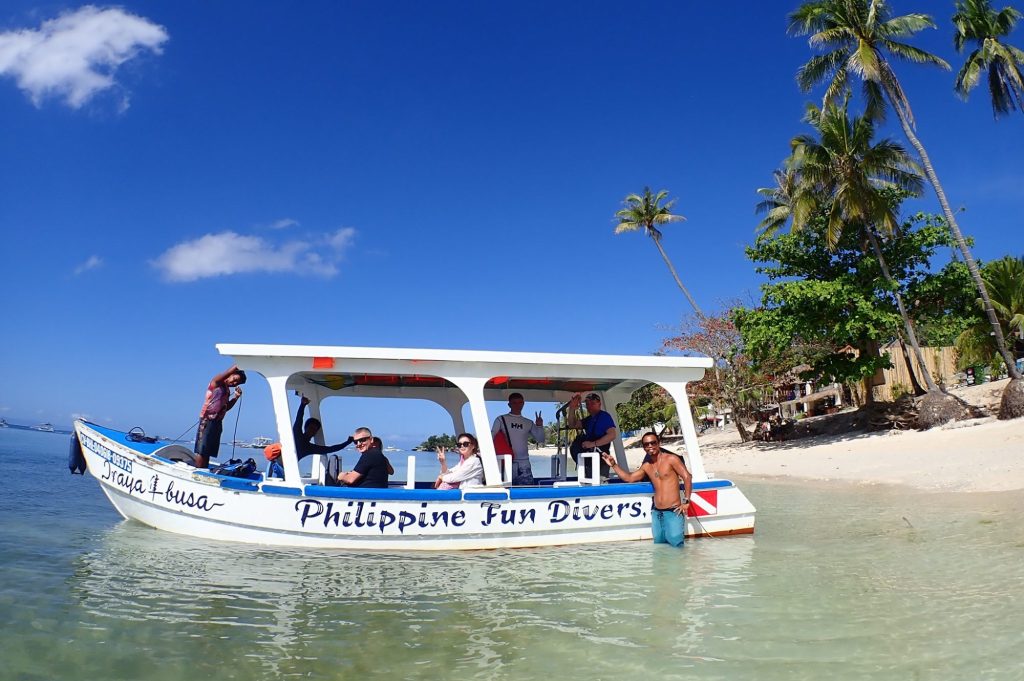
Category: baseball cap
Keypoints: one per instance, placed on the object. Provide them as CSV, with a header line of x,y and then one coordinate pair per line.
x,y
272,451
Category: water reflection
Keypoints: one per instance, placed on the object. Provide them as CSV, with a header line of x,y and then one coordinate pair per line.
x,y
837,583
474,610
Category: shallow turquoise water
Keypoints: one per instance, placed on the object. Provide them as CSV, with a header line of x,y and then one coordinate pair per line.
x,y
840,582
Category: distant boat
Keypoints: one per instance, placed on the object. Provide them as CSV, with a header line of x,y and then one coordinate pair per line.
x,y
43,427
261,442
392,449
3,423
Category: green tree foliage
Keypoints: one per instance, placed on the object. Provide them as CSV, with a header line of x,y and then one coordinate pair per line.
x,y
820,303
844,172
859,37
646,406
977,22
732,381
1004,279
435,441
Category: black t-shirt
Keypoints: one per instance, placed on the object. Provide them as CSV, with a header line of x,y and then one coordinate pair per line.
x,y
373,467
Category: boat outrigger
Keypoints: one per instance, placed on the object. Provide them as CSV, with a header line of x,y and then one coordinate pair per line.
x,y
156,483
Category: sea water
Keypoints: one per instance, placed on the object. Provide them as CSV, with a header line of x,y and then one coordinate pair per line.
x,y
839,582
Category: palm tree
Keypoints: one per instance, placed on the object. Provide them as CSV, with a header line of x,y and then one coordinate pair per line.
x,y
1005,281
859,34
646,211
977,22
777,202
842,171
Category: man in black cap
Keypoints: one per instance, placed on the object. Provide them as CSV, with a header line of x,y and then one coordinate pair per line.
x,y
598,430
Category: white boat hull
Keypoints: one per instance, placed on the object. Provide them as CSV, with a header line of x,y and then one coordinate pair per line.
x,y
174,496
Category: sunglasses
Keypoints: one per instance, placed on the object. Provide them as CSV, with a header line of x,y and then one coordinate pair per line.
x,y
465,444
650,443
361,440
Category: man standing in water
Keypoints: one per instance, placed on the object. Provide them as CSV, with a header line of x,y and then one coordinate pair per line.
x,y
518,429
664,470
211,416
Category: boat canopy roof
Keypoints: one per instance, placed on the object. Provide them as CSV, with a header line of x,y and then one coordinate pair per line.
x,y
412,372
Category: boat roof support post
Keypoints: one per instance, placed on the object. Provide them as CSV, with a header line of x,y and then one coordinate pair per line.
x,y
677,389
453,404
315,399
279,397
473,388
612,400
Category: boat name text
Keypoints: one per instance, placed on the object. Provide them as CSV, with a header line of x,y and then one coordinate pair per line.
x,y
169,493
367,514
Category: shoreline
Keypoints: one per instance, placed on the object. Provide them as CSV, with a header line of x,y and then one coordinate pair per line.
x,y
979,455
975,455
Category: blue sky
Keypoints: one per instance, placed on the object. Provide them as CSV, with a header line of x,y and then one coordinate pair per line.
x,y
397,174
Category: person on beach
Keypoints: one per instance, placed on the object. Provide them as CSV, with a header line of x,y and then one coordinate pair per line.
x,y
211,417
372,468
598,430
518,429
664,469
469,472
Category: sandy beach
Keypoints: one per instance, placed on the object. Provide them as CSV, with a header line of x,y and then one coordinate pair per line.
x,y
977,455
981,455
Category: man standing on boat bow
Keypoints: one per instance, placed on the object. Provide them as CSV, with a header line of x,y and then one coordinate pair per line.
x,y
518,429
664,469
211,416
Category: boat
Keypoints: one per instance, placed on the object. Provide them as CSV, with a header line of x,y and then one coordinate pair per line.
x,y
156,483
392,449
3,423
43,427
260,442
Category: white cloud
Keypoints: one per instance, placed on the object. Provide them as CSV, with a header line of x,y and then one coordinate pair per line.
x,y
341,239
76,55
284,223
228,253
91,263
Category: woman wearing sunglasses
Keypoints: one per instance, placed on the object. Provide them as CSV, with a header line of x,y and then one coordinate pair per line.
x,y
469,472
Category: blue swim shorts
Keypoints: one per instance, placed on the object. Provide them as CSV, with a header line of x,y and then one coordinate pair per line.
x,y
668,527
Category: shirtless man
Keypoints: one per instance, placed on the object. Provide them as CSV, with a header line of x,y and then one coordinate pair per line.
x,y
664,470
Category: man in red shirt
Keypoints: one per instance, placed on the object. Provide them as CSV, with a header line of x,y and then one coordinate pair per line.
x,y
211,416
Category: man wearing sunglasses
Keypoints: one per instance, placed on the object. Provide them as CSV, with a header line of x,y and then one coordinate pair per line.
x,y
664,469
372,468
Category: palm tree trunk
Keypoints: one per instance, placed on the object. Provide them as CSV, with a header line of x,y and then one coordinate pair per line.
x,y
918,390
972,266
907,325
657,242
868,347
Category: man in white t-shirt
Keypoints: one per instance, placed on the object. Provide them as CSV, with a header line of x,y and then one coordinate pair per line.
x,y
519,430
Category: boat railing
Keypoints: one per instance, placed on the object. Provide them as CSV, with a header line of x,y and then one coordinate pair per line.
x,y
410,466
594,458
559,465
